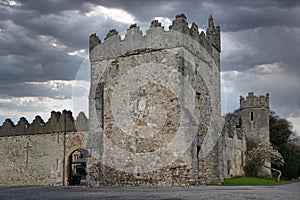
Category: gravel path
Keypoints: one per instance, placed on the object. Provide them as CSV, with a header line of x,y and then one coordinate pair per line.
x,y
289,191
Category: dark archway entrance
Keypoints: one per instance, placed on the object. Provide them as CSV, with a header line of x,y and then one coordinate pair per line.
x,y
77,167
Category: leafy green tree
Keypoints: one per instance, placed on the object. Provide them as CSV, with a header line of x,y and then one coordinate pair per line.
x,y
280,130
290,169
251,168
287,143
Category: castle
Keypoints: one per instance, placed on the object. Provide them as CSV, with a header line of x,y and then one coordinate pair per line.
x,y
154,117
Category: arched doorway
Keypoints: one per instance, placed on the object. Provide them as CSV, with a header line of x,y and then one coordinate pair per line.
x,y
77,167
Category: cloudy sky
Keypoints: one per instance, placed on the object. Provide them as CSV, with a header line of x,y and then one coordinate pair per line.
x,y
44,49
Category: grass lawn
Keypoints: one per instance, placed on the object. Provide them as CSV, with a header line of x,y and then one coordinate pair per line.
x,y
253,181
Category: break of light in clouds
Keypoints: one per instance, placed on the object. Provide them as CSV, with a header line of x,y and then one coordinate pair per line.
x,y
117,15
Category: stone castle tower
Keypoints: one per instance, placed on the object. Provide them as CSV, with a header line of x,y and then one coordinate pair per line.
x,y
155,115
249,122
255,117
254,113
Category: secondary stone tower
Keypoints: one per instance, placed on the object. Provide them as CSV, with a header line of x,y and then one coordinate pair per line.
x,y
255,117
254,113
155,115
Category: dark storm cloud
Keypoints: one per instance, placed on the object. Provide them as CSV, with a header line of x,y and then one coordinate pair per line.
x,y
263,45
53,7
49,18
37,45
27,54
55,90
25,57
232,15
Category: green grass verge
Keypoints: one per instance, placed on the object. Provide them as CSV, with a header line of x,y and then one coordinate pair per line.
x,y
253,181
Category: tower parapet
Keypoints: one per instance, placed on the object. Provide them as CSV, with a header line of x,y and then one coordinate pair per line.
x,y
157,37
252,101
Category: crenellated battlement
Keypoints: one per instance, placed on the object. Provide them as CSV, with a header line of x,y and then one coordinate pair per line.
x,y
56,123
156,37
252,101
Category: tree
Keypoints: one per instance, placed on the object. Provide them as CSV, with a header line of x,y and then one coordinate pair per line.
x,y
280,130
287,142
290,169
235,117
263,153
251,168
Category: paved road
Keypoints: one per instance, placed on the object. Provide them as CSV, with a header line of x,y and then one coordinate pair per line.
x,y
287,192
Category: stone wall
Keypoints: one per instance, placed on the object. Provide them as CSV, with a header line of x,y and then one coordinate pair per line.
x,y
155,106
234,150
32,154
